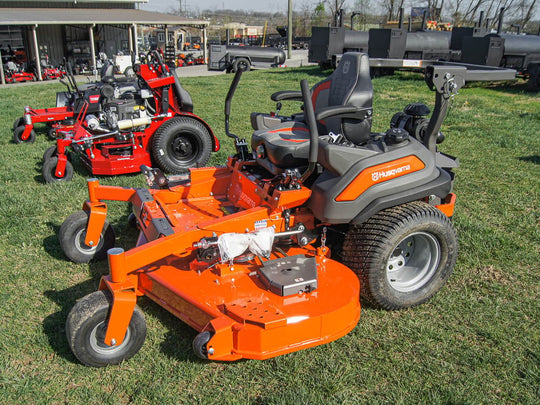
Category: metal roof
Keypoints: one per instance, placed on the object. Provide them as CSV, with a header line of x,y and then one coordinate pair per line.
x,y
55,16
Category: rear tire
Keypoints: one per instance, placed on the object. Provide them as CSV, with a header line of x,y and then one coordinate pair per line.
x,y
403,255
86,326
72,234
18,132
533,84
181,143
49,171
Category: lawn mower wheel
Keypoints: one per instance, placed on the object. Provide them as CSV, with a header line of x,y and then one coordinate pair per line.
x,y
403,255
86,326
17,135
72,234
49,171
181,143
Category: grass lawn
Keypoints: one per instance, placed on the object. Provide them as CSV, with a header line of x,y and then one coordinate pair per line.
x,y
477,341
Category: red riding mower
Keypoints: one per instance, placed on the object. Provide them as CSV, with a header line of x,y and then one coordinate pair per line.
x,y
50,73
242,253
68,105
134,125
15,73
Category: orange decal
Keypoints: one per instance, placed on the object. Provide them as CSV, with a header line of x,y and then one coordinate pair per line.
x,y
323,86
378,174
292,129
294,140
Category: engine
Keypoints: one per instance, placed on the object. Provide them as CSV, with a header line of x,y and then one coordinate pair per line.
x,y
414,120
119,114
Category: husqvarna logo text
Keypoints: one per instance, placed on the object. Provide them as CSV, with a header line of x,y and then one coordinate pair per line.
x,y
376,176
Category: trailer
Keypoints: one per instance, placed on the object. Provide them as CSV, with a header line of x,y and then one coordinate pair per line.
x,y
232,58
396,48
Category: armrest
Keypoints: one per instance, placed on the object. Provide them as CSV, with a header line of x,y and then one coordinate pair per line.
x,y
346,111
287,95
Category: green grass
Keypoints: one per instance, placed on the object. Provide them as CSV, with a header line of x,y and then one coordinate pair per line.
x,y
477,341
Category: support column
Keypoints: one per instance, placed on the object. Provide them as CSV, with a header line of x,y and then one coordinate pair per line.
x,y
130,40
166,29
204,45
2,76
289,30
135,41
36,51
92,49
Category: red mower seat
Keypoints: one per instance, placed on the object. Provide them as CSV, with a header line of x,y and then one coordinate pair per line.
x,y
343,105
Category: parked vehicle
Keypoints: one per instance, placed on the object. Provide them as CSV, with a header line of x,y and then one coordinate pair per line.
x,y
232,58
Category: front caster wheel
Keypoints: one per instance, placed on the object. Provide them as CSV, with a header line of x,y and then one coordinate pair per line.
x,y
73,233
49,171
200,344
18,132
18,122
86,326
403,255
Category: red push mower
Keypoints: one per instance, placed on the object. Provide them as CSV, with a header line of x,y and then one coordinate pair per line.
x,y
263,256
151,122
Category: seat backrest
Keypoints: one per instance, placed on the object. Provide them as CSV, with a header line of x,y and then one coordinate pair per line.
x,y
107,72
184,98
349,84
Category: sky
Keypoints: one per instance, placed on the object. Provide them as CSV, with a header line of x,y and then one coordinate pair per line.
x,y
251,5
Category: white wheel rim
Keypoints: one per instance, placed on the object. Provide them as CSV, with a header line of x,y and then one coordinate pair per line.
x,y
83,247
97,340
413,262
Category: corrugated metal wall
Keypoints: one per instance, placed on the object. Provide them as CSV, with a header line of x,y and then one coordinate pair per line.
x,y
63,4
69,41
50,43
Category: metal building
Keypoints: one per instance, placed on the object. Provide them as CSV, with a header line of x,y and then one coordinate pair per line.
x,y
49,31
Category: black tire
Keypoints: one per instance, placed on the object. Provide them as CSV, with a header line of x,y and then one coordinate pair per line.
x,y
17,135
129,72
533,84
18,122
49,171
200,344
402,255
72,234
86,327
181,143
50,152
242,64
51,133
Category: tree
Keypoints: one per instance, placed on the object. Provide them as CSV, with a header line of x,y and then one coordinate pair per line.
x,y
391,8
334,6
319,18
361,6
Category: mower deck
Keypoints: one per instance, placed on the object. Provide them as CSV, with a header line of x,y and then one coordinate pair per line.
x,y
235,302
248,320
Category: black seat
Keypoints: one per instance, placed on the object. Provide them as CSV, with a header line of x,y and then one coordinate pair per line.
x,y
184,98
343,106
107,72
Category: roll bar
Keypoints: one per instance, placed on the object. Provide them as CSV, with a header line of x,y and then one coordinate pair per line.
x,y
313,131
446,79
